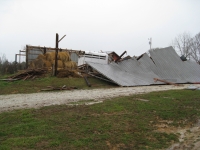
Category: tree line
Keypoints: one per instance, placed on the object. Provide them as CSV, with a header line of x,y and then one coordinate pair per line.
x,y
7,67
188,46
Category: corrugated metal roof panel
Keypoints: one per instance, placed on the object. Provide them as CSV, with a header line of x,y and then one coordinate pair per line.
x,y
126,73
163,64
165,60
149,64
114,73
193,71
171,67
138,70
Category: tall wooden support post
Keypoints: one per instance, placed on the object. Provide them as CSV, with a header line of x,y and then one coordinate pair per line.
x,y
45,50
16,58
19,56
15,62
27,51
56,55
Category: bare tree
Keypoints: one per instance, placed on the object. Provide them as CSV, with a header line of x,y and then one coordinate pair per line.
x,y
182,44
195,48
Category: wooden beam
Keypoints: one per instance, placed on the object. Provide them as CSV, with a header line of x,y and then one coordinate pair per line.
x,y
56,55
171,83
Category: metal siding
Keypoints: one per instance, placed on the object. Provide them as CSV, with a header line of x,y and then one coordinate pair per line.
x,y
74,57
33,53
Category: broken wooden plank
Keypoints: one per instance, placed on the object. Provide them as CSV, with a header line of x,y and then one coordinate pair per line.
x,y
26,77
51,88
87,82
171,83
10,79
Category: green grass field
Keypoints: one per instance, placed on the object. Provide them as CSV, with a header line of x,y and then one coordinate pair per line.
x,y
33,86
118,123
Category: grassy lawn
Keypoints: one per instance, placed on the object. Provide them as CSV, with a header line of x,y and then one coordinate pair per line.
x,y
33,86
118,123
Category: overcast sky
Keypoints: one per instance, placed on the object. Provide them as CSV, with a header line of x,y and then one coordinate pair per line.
x,y
94,25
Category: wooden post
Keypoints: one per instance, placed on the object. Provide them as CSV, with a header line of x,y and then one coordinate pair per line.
x,y
45,50
56,54
27,56
16,58
120,56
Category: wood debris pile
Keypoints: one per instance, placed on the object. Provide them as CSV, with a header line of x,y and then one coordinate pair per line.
x,y
29,74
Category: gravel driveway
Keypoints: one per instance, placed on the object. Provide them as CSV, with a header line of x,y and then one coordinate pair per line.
x,y
37,100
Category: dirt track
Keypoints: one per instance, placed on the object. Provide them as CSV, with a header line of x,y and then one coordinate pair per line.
x,y
37,100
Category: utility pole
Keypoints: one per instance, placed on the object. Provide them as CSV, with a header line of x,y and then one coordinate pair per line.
x,y
56,53
19,56
150,42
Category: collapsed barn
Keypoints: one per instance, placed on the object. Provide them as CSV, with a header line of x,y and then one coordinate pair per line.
x,y
161,65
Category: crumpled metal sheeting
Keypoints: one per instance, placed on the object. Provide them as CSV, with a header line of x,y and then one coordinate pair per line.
x,y
166,61
146,61
115,73
171,67
139,71
126,73
194,71
164,64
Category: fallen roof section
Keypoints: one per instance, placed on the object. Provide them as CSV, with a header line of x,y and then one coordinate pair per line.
x,y
171,67
163,63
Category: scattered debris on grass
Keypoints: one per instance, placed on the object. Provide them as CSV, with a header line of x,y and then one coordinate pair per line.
x,y
191,87
64,87
85,102
144,100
